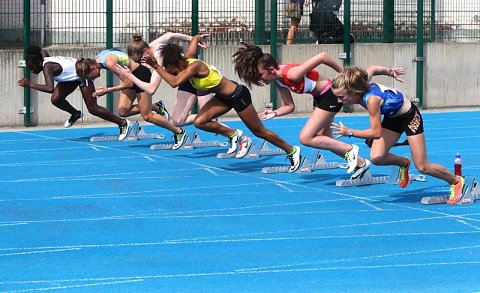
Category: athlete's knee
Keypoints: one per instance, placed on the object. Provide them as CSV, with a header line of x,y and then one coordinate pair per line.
x,y
148,117
423,167
262,132
93,109
200,122
123,112
377,160
179,121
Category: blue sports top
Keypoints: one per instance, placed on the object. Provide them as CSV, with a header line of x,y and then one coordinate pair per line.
x,y
392,99
122,56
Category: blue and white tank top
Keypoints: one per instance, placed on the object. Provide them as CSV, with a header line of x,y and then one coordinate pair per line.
x,y
392,99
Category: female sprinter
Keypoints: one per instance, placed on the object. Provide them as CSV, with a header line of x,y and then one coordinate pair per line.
x,y
228,95
399,115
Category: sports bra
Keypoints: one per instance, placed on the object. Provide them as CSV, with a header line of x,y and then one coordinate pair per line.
x,y
305,85
205,83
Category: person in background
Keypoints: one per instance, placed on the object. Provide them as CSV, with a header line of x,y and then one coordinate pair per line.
x,y
294,11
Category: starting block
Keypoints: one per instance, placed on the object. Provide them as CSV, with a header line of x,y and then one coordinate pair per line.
x,y
471,194
368,179
305,165
137,133
192,141
262,149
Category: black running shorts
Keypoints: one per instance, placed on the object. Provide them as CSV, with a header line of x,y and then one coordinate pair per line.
x,y
411,122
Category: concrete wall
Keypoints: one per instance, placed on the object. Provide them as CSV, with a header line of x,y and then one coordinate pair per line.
x,y
452,77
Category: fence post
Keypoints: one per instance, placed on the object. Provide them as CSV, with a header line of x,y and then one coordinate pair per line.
x,y
273,47
26,71
432,21
260,22
346,41
419,58
109,45
388,21
195,31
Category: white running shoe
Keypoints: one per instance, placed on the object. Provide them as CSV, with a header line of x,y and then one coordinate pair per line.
x,y
359,171
234,141
243,147
295,159
179,139
73,118
352,158
125,129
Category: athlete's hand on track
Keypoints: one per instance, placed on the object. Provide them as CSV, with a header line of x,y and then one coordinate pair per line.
x,y
339,130
267,115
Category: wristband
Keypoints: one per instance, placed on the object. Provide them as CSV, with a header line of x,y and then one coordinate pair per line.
x,y
350,132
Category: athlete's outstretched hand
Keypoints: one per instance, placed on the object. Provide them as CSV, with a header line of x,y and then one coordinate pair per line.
x,y
395,72
23,82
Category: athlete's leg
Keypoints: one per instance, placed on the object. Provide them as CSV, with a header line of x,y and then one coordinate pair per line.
x,y
125,105
60,94
184,102
250,118
206,115
317,133
420,159
379,153
97,110
145,106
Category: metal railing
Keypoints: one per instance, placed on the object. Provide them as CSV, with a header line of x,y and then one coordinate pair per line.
x,y
83,22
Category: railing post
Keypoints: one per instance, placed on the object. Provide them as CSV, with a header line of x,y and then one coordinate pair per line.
x,y
388,21
109,45
260,22
346,39
273,47
195,31
419,59
26,71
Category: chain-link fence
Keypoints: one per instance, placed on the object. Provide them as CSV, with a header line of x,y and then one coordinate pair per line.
x,y
84,22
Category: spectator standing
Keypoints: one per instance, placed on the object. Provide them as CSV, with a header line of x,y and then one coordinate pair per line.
x,y
294,11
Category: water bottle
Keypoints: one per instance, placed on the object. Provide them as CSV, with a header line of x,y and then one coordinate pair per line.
x,y
457,165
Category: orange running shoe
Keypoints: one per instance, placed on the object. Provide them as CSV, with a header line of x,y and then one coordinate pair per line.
x,y
404,178
456,191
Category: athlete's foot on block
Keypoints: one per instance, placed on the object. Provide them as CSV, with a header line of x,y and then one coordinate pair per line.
x,y
359,171
404,178
162,110
73,119
125,129
352,158
233,140
179,139
456,191
294,158
243,147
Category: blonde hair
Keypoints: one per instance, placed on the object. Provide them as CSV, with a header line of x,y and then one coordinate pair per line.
x,y
353,80
83,66
137,45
